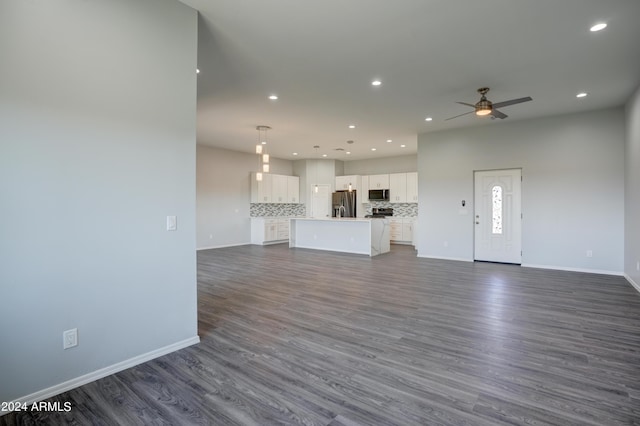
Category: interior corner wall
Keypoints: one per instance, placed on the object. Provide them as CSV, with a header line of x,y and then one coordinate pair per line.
x,y
572,190
632,191
97,148
301,169
223,192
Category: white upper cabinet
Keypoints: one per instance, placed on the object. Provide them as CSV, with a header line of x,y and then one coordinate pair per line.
x,y
403,187
379,182
261,190
293,189
412,187
279,189
275,189
343,182
398,188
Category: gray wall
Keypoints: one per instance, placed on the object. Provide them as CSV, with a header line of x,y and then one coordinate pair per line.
x,y
97,147
224,195
573,188
400,164
632,191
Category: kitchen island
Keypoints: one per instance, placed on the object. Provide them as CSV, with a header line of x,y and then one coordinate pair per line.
x,y
348,235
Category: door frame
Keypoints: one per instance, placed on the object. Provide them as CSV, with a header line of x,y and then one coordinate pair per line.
x,y
517,221
311,193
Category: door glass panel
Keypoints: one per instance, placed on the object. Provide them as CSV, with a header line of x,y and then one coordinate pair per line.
x,y
497,209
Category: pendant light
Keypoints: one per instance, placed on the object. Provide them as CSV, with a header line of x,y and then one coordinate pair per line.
x,y
261,150
315,188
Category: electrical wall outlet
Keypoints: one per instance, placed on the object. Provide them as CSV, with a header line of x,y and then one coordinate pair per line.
x,y
589,253
70,338
446,244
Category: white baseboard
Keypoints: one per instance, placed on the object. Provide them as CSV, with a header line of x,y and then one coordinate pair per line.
x,y
566,268
223,246
103,372
459,259
632,282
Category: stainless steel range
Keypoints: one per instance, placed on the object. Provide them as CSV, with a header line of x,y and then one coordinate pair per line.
x,y
380,213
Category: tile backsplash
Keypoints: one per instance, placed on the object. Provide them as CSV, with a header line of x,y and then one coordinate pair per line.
x,y
276,210
287,210
399,209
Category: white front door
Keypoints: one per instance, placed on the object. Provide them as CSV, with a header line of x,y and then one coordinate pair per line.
x,y
320,201
498,218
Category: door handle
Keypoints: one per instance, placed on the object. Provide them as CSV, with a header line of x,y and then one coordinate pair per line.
x,y
477,223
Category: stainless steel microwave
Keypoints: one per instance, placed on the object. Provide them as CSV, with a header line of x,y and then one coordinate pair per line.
x,y
378,195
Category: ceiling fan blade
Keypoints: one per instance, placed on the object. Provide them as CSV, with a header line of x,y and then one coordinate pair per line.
x,y
464,103
498,114
456,116
512,102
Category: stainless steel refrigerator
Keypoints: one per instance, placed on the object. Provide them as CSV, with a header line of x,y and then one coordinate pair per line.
x,y
346,199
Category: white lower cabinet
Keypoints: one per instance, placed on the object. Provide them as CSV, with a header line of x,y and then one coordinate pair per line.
x,y
401,229
269,230
283,229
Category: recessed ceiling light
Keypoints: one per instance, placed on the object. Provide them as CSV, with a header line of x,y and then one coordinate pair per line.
x,y
197,70
598,27
273,97
581,95
389,140
348,152
352,126
428,119
324,155
373,149
264,142
295,153
376,83
402,146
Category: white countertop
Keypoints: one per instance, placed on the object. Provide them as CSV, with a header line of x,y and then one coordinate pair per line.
x,y
339,219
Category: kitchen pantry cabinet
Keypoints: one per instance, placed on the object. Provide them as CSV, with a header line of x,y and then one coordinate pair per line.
x,y
403,187
379,182
269,230
342,182
275,189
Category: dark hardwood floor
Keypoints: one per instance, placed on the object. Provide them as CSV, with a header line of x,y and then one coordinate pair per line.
x,y
294,336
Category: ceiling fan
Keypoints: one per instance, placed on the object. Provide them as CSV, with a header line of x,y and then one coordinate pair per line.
x,y
485,107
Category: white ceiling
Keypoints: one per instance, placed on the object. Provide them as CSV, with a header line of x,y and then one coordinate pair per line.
x,y
320,57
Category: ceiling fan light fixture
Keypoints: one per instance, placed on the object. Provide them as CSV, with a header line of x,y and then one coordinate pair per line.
x,y
484,107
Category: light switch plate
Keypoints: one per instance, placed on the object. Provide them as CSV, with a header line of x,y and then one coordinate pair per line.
x,y
172,223
70,338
